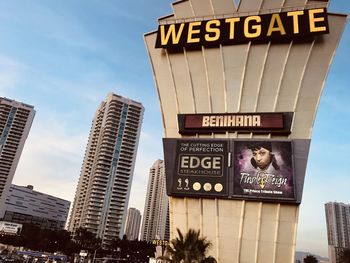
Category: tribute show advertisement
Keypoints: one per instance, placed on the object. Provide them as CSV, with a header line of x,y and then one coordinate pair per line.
x,y
263,169
231,169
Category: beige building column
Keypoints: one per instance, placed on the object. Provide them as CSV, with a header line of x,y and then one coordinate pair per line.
x,y
250,77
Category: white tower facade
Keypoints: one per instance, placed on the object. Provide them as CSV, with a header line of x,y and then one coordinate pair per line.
x,y
133,223
15,121
338,228
155,223
102,194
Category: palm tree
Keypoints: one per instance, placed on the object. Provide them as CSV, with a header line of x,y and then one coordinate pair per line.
x,y
86,239
189,248
209,260
345,256
310,259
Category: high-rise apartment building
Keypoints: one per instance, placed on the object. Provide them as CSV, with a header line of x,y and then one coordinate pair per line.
x,y
133,223
338,229
15,121
24,205
155,223
103,189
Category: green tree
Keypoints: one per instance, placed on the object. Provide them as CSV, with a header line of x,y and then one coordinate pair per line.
x,y
87,240
189,248
209,260
124,245
114,246
310,259
35,238
132,250
344,256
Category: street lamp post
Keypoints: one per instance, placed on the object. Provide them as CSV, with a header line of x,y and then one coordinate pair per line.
x,y
58,245
93,259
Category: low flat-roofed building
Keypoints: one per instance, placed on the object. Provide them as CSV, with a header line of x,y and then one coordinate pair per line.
x,y
25,206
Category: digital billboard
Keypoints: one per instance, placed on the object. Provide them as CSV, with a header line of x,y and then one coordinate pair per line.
x,y
268,170
263,169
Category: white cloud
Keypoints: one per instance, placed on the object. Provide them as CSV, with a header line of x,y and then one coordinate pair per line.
x,y
9,73
57,24
51,159
150,149
323,183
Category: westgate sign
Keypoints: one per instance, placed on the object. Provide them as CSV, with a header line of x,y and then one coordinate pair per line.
x,y
284,26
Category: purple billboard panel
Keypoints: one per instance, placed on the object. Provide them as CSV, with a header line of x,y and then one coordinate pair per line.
x,y
263,169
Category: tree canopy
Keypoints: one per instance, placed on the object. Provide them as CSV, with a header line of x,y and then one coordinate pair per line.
x,y
310,259
35,238
45,240
86,239
189,248
344,256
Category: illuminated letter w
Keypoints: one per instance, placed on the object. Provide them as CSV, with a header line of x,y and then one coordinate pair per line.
x,y
164,36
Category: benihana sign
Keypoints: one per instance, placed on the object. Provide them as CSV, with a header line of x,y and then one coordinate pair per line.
x,y
277,122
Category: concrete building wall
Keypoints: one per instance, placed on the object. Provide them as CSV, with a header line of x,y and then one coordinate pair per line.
x,y
242,78
15,122
156,212
133,223
338,228
24,205
103,190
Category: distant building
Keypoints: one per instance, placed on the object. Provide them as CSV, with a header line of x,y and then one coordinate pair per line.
x,y
15,121
133,223
102,195
155,223
26,206
338,229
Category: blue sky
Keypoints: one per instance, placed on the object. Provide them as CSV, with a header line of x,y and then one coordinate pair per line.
x,y
63,57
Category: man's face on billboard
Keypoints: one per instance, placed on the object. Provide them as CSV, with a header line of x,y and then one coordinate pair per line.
x,y
262,157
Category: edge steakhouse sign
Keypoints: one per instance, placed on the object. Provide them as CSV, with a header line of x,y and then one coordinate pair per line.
x,y
237,30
